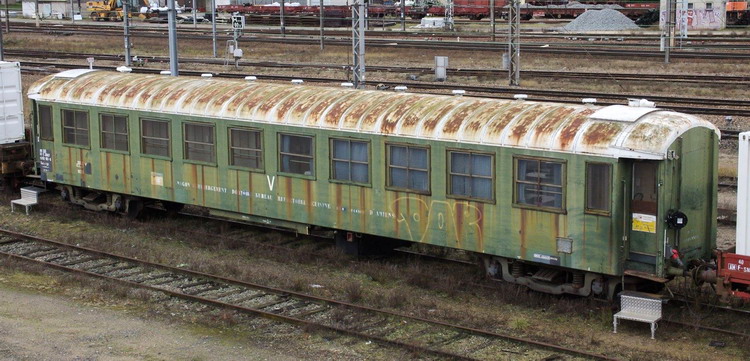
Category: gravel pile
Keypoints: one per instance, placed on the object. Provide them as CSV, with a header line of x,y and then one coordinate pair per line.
x,y
601,20
577,5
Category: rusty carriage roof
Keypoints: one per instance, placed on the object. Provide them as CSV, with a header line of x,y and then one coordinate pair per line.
x,y
614,131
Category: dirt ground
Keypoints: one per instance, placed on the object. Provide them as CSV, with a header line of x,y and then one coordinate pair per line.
x,y
44,318
36,326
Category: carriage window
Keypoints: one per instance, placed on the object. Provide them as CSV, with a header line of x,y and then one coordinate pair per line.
x,y
350,161
114,132
75,127
200,143
408,168
709,6
245,148
539,183
296,154
45,122
155,137
470,175
598,183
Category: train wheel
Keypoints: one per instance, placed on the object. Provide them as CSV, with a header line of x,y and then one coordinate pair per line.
x,y
135,206
172,208
65,194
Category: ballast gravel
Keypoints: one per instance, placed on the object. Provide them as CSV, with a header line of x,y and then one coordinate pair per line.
x,y
601,20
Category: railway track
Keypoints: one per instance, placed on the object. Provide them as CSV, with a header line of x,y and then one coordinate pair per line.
x,y
443,43
740,38
707,106
421,335
715,80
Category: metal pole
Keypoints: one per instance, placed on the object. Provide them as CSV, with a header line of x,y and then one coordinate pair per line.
x,y
36,12
492,19
283,8
321,16
403,15
126,28
72,13
449,16
195,20
667,32
514,43
358,43
172,20
2,50
213,26
7,17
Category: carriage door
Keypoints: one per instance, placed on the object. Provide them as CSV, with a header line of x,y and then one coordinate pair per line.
x,y
642,255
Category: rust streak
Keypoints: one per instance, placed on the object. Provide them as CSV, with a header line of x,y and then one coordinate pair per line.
x,y
601,134
459,117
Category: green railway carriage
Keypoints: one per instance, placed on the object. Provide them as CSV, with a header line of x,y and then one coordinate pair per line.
x,y
562,198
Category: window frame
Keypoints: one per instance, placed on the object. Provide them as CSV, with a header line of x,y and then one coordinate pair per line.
x,y
599,212
388,185
449,173
114,133
563,184
230,155
280,154
51,122
169,138
710,6
62,127
185,142
331,160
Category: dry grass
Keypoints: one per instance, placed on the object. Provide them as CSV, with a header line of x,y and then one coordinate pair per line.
x,y
422,289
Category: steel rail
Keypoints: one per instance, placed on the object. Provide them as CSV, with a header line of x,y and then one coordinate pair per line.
x,y
57,253
728,80
572,49
438,33
742,107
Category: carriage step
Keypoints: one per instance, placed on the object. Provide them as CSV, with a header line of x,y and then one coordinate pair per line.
x,y
546,274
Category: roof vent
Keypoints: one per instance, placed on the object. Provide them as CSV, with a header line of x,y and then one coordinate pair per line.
x,y
458,92
520,96
251,78
641,103
124,69
297,81
207,75
165,72
347,85
588,100
400,88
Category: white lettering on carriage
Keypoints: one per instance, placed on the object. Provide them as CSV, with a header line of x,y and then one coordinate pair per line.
x,y
271,180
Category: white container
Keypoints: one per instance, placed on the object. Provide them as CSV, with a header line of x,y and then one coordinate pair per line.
x,y
11,104
743,202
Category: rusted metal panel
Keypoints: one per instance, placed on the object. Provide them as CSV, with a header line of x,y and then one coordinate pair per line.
x,y
299,102
525,124
597,136
409,123
544,130
566,135
391,119
460,116
429,124
352,118
330,114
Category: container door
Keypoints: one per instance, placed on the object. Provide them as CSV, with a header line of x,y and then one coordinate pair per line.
x,y
642,253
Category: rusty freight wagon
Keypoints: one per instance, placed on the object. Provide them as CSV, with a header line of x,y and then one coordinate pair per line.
x,y
561,198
